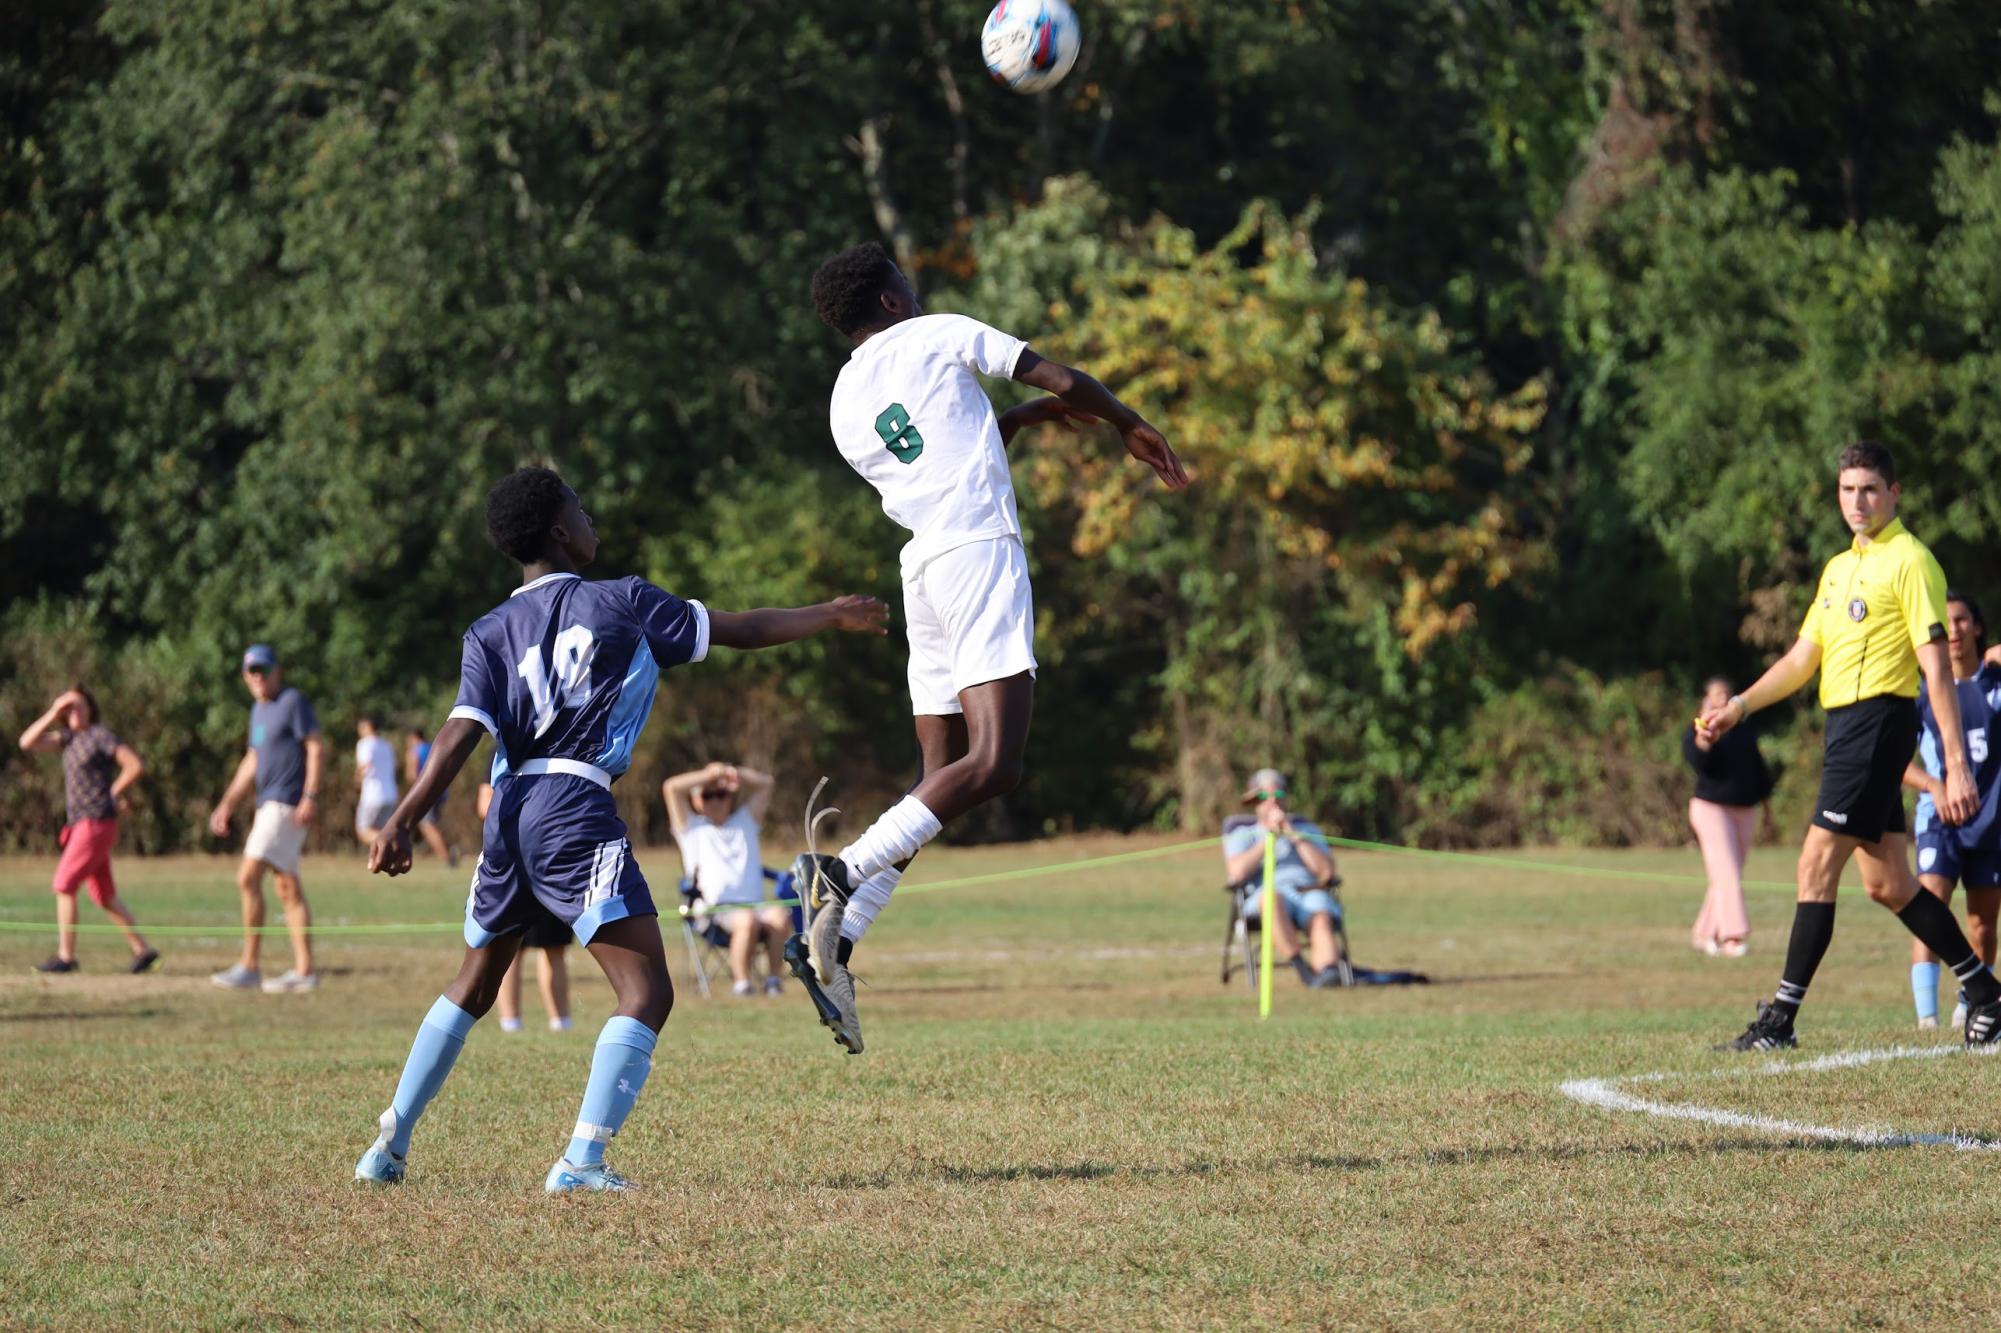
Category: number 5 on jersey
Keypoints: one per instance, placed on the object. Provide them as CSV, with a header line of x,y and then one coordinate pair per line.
x,y
899,436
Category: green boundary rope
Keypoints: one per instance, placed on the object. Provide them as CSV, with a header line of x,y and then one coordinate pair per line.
x,y
963,881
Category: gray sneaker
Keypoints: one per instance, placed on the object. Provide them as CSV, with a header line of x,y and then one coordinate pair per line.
x,y
834,1001
291,982
237,977
822,884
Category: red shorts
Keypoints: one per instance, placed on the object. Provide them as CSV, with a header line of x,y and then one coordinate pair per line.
x,y
86,859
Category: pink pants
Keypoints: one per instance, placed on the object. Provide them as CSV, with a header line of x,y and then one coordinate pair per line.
x,y
1725,833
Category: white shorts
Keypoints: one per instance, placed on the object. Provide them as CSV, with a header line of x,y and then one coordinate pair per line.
x,y
276,838
970,618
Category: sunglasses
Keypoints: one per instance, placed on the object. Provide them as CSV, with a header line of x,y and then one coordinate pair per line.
x,y
715,793
1270,793
256,670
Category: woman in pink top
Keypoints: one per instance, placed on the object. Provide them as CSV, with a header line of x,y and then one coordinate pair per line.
x,y
98,768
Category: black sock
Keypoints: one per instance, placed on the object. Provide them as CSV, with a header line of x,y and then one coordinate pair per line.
x,y
1813,931
1932,922
846,951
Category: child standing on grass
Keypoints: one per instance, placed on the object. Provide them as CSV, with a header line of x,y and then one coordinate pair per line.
x,y
562,676
98,769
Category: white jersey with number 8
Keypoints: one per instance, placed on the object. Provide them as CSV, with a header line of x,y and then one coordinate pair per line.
x,y
908,414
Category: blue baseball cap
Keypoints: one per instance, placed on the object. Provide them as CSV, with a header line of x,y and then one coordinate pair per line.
x,y
259,655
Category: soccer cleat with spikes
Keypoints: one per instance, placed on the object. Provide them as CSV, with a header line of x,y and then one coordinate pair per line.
x,y
379,1166
822,883
567,1178
834,1000
1769,1031
1983,1023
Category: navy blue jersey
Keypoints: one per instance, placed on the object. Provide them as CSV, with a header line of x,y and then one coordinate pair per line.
x,y
562,672
1979,706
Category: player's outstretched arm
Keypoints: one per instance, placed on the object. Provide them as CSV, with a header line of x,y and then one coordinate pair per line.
x,y
1091,398
1041,412
1780,681
769,627
454,744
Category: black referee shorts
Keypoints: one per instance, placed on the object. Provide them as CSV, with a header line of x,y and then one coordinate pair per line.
x,y
1869,744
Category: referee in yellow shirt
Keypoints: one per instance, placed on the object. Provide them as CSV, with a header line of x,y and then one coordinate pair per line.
x,y
1876,623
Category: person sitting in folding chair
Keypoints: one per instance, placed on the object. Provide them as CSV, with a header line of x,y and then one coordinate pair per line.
x,y
1303,875
717,814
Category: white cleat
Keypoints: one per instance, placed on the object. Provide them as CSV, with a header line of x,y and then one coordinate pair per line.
x,y
565,1178
379,1166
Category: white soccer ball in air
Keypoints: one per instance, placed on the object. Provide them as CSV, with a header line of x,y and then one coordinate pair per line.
x,y
1029,45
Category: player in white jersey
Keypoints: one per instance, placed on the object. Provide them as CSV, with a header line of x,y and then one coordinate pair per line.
x,y
909,414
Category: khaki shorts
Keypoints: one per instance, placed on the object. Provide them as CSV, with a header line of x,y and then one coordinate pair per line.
x,y
276,838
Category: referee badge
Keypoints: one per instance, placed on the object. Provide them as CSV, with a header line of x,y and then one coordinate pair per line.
x,y
1857,609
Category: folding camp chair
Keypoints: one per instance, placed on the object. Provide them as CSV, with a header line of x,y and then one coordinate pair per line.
x,y
1241,945
707,943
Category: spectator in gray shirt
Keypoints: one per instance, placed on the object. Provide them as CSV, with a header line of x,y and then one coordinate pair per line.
x,y
282,762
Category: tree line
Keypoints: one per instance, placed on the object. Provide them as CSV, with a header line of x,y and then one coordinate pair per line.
x,y
1510,340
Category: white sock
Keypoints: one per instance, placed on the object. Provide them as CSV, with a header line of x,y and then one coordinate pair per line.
x,y
867,901
510,1025
893,839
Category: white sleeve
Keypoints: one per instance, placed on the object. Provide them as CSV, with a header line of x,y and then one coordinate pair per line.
x,y
978,346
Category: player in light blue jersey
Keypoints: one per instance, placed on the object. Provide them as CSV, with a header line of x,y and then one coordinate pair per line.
x,y
562,675
1971,852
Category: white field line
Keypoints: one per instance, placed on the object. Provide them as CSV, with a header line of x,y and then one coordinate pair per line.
x,y
1609,1094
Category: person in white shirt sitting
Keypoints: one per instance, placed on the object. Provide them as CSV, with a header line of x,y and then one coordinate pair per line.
x,y
717,813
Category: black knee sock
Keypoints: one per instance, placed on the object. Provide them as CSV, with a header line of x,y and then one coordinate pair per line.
x,y
1933,923
1813,931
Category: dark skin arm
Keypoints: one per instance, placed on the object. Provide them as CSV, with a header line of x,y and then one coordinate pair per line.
x,y
456,741
1090,398
768,627
1041,412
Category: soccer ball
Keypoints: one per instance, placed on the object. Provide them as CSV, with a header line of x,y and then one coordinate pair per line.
x,y
1030,45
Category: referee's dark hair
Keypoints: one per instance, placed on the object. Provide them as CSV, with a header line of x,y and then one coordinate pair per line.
x,y
1873,457
1972,609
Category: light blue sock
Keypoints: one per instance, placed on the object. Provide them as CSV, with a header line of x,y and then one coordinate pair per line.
x,y
1924,988
439,1040
618,1071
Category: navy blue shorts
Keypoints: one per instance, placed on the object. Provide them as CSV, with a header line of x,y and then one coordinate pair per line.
x,y
1939,853
555,847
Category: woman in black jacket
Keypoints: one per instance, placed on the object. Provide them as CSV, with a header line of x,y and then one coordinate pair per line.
x,y
1731,782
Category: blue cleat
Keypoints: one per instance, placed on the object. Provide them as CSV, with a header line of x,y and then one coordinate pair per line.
x,y
565,1178
379,1166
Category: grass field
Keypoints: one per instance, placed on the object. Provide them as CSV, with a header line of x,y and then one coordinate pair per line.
x,y
1063,1120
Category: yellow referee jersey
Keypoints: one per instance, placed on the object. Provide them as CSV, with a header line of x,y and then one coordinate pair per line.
x,y
1877,605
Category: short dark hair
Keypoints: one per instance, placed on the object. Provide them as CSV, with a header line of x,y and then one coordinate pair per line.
x,y
1870,456
373,719
520,510
1973,609
89,702
845,288
1720,679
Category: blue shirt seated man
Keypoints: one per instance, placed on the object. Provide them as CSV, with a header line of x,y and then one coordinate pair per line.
x,y
1302,875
